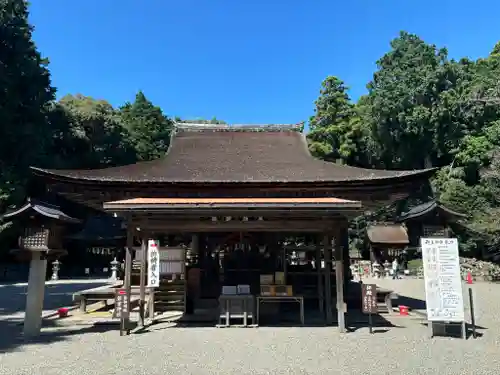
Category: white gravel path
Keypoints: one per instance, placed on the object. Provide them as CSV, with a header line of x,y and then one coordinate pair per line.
x,y
405,349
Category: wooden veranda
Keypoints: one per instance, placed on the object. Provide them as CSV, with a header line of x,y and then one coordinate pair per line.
x,y
325,217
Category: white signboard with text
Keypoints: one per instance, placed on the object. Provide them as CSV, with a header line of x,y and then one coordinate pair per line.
x,y
443,282
153,264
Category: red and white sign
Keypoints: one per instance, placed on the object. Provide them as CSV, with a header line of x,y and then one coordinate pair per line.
x,y
153,264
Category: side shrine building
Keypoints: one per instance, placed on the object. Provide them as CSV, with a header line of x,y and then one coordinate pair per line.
x,y
243,202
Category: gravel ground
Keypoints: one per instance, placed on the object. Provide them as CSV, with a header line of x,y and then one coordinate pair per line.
x,y
403,349
57,294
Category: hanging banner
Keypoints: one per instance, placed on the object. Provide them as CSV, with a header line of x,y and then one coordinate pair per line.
x,y
153,264
443,283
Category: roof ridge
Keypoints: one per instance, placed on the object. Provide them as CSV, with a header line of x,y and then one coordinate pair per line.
x,y
238,127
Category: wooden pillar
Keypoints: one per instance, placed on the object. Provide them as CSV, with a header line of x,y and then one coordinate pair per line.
x,y
327,243
339,278
128,273
346,255
319,271
142,283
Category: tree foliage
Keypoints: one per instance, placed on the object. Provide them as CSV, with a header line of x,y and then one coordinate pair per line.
x,y
148,127
422,109
25,96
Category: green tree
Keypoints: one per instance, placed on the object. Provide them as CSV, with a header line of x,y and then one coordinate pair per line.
x,y
90,134
414,97
337,131
149,128
25,94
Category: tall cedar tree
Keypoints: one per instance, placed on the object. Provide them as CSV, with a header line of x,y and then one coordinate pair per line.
x,y
149,128
25,92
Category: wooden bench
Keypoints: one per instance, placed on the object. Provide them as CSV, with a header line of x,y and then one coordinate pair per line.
x,y
103,293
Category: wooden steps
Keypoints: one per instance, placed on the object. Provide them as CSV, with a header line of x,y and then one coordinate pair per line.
x,y
171,296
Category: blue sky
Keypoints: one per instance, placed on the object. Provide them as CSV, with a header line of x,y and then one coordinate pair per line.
x,y
244,61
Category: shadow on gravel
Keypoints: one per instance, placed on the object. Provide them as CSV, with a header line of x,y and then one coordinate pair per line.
x,y
12,339
412,303
355,320
455,330
13,297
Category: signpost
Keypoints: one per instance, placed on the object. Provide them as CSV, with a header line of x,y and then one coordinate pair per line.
x,y
153,264
369,302
443,283
122,309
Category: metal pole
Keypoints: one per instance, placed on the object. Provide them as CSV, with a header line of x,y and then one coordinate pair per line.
x,y
472,315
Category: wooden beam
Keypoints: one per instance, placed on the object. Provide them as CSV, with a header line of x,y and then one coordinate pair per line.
x,y
327,244
142,284
127,279
234,226
339,273
319,270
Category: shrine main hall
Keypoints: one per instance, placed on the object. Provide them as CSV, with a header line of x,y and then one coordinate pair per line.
x,y
236,198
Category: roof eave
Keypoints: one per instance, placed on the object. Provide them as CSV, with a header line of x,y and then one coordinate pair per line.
x,y
121,207
416,175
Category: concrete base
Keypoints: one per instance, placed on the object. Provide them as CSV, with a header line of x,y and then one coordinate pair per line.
x,y
35,295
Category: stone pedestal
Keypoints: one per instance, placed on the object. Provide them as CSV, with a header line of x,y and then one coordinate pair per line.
x,y
35,295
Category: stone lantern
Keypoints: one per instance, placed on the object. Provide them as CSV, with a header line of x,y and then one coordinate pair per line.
x,y
42,239
114,269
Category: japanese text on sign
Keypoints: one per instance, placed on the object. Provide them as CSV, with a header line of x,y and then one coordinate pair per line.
x,y
153,264
369,298
443,283
121,304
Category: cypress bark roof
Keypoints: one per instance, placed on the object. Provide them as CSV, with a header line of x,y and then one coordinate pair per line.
x,y
429,208
387,234
42,208
221,154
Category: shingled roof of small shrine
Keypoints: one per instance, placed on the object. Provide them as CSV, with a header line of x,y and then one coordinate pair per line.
x,y
240,154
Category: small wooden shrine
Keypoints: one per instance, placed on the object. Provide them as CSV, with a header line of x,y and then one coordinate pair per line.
x,y
430,219
231,197
386,241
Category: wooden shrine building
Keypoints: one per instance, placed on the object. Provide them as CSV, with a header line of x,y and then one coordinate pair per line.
x,y
430,219
386,241
236,188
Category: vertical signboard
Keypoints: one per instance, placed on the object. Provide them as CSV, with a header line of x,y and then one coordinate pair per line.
x,y
153,264
369,302
369,296
121,304
443,282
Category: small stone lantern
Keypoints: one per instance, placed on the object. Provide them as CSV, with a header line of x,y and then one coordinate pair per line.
x,y
44,227
387,268
56,266
376,269
114,269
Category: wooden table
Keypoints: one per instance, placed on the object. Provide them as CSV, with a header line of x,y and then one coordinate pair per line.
x,y
278,299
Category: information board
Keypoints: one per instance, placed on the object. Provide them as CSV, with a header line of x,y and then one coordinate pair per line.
x,y
153,264
443,282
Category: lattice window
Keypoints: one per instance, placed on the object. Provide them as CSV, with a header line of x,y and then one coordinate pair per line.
x,y
35,238
434,231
